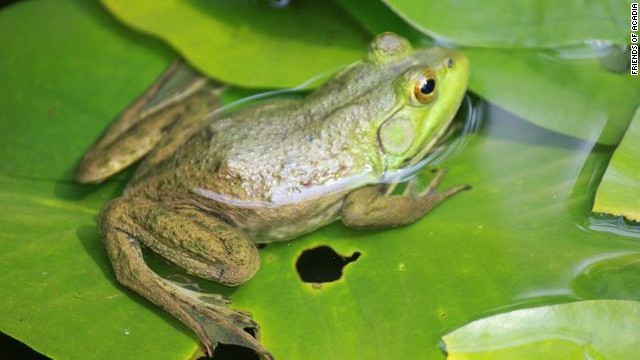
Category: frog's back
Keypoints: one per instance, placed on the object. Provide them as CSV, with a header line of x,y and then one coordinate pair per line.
x,y
275,171
276,155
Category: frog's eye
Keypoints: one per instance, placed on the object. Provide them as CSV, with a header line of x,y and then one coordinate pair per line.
x,y
425,88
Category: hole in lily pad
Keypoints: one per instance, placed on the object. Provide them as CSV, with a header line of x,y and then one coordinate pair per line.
x,y
322,264
234,352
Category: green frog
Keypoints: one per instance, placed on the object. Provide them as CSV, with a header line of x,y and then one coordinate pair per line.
x,y
213,185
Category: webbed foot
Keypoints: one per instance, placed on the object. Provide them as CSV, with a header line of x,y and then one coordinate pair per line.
x,y
198,243
220,324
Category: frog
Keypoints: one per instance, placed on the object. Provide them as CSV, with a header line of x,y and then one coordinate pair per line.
x,y
213,184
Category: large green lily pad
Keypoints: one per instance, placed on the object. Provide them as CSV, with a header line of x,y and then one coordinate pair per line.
x,y
512,241
67,68
251,43
517,24
596,329
58,291
619,191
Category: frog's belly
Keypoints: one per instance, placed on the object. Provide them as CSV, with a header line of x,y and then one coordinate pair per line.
x,y
278,223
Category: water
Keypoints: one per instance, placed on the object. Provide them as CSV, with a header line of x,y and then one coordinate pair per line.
x,y
617,225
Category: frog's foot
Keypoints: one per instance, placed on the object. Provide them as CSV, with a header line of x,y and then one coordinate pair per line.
x,y
431,189
374,207
198,243
220,324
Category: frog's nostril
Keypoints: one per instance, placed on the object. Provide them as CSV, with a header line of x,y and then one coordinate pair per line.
x,y
450,63
322,264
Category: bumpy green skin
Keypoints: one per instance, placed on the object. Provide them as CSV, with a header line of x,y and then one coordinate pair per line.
x,y
210,187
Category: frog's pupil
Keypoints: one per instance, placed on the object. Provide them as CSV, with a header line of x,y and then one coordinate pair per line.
x,y
428,87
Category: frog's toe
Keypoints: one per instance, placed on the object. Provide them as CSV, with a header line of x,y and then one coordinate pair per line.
x,y
219,303
220,324
410,189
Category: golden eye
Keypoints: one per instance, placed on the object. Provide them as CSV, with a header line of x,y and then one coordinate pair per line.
x,y
425,88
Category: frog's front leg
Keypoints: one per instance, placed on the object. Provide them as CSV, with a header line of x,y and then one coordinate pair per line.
x,y
372,207
195,241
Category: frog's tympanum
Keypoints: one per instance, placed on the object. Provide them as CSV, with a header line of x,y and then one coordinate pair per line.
x,y
212,186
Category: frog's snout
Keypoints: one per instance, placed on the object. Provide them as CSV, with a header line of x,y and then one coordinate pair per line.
x,y
457,61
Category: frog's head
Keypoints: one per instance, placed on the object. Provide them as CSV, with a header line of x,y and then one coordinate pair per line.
x,y
426,86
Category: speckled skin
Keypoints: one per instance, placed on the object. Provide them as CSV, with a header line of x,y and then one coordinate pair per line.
x,y
248,166
212,186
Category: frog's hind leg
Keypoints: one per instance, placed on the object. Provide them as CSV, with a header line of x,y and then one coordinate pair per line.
x,y
374,207
194,241
178,92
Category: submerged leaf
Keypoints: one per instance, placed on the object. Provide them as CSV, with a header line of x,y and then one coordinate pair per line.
x,y
619,191
595,330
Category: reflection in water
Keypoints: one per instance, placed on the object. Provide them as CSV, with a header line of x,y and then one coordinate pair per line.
x,y
613,224
613,57
594,49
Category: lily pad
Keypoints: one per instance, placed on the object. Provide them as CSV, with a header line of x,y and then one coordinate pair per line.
x,y
59,90
563,95
619,191
546,87
58,291
251,43
518,24
597,329
70,87
510,242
